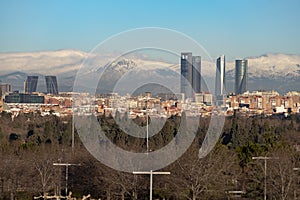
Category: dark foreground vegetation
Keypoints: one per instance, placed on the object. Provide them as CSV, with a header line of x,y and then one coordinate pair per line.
x,y
30,144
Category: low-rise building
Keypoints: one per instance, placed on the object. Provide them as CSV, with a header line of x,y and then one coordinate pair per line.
x,y
17,97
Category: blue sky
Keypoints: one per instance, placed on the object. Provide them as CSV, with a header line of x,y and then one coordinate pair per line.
x,y
236,28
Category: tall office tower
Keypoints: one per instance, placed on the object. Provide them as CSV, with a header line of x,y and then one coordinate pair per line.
x,y
241,76
196,74
31,84
220,84
51,84
5,88
186,74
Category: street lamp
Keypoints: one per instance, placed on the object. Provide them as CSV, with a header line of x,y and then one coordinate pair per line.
x,y
151,178
67,171
295,193
73,130
147,125
265,171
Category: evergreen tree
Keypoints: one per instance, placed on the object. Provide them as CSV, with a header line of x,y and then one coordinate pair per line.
x,y
234,131
254,131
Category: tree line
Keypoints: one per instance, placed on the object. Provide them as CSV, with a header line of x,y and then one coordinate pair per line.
x,y
30,144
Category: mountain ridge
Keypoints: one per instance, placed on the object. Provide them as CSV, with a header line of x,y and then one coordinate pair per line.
x,y
268,68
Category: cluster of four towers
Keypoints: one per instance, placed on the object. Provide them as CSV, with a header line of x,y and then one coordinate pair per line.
x,y
191,79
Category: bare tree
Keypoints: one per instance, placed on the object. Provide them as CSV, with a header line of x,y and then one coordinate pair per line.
x,y
126,183
203,177
281,176
13,170
42,162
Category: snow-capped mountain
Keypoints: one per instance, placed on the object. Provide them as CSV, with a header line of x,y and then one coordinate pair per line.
x,y
269,72
46,62
271,66
123,65
279,72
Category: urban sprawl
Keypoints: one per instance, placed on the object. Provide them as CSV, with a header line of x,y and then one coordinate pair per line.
x,y
192,100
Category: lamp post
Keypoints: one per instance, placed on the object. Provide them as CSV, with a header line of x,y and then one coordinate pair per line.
x,y
73,130
67,171
295,192
147,125
265,171
151,178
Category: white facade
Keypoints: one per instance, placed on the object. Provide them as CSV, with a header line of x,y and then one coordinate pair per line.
x,y
220,76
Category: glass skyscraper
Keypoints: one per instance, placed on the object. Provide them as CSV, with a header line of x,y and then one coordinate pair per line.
x,y
190,74
51,83
31,84
220,84
241,76
186,74
197,74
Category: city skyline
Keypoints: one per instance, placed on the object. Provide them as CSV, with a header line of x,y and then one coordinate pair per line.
x,y
43,26
267,72
94,93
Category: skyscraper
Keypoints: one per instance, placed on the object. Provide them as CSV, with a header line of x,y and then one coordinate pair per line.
x,y
51,84
197,74
31,84
241,76
220,84
4,88
190,74
186,74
